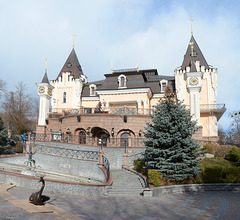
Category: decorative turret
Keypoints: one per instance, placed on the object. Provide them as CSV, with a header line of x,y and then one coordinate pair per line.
x,y
44,93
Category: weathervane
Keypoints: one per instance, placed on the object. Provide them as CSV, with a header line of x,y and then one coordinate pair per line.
x,y
46,64
74,35
191,26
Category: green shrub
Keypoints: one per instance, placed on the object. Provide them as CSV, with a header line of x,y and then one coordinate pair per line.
x,y
210,148
231,175
154,177
215,162
139,166
212,175
234,155
18,149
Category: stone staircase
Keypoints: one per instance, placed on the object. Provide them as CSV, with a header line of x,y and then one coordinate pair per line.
x,y
126,183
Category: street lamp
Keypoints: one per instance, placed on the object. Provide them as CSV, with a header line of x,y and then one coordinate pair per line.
x,y
112,132
140,133
88,130
146,155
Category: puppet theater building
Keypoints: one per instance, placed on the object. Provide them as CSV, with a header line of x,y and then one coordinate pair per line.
x,y
113,112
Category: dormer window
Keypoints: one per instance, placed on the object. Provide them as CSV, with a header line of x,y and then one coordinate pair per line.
x,y
122,81
93,89
163,84
64,97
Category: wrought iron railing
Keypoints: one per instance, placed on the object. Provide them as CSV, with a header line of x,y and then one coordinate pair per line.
x,y
106,165
77,154
90,140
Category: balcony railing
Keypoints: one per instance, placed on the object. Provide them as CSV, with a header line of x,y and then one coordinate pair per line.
x,y
53,112
210,107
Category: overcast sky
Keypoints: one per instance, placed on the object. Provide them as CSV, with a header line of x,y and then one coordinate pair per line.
x,y
155,32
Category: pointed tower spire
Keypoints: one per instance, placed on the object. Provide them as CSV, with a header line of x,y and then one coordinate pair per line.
x,y
72,65
191,27
45,77
193,53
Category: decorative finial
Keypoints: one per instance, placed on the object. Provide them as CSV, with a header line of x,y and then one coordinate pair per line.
x,y
191,44
46,65
74,35
191,26
137,65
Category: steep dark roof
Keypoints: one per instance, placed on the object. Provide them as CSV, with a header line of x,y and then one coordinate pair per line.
x,y
135,79
72,65
45,78
192,67
197,55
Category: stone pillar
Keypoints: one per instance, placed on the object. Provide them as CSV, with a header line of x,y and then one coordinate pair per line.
x,y
107,106
139,102
125,160
195,104
101,153
145,106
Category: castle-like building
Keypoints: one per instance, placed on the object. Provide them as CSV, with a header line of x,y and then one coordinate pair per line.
x,y
114,111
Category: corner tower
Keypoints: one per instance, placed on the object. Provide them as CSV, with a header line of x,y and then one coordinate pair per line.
x,y
68,84
196,86
44,93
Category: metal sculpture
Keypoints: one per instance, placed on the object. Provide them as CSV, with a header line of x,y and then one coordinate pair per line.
x,y
37,198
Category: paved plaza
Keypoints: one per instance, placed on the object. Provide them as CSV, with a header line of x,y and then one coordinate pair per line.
x,y
207,205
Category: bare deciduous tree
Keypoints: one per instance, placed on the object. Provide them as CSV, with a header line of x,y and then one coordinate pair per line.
x,y
19,110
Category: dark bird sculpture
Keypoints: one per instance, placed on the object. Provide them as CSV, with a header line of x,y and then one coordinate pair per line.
x,y
37,198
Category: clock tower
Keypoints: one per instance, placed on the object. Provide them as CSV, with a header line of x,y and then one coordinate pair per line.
x,y
44,93
193,79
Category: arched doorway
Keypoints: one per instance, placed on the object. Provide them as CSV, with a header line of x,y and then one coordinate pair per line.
x,y
82,137
102,139
125,139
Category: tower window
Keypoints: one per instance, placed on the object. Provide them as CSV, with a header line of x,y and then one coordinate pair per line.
x,y
64,97
122,81
164,85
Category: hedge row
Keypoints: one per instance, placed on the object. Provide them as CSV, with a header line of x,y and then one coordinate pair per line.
x,y
220,175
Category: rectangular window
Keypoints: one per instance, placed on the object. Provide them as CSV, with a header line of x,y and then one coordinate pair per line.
x,y
93,91
87,111
64,97
164,85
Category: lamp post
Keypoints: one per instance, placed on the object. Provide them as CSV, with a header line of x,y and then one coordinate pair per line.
x,y
146,154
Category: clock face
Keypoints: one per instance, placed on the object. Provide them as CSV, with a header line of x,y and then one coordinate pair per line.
x,y
49,92
41,89
193,81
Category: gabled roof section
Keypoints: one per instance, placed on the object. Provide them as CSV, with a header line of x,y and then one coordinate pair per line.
x,y
197,55
45,79
72,65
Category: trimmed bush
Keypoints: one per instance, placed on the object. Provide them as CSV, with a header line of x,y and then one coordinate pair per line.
x,y
154,177
139,166
231,175
212,175
234,155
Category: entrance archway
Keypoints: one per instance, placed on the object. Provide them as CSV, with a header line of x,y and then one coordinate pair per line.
x,y
82,137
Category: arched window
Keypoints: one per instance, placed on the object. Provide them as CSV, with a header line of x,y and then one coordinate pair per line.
x,y
124,139
64,97
163,84
122,81
93,89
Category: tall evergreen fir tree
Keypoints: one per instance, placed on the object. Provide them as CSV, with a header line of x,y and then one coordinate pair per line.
x,y
169,142
3,133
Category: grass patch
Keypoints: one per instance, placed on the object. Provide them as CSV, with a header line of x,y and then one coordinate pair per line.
x,y
216,161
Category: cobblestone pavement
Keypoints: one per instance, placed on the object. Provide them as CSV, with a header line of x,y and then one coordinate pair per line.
x,y
207,205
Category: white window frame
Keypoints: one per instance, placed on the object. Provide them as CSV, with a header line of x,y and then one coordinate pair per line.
x,y
91,89
163,81
120,81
